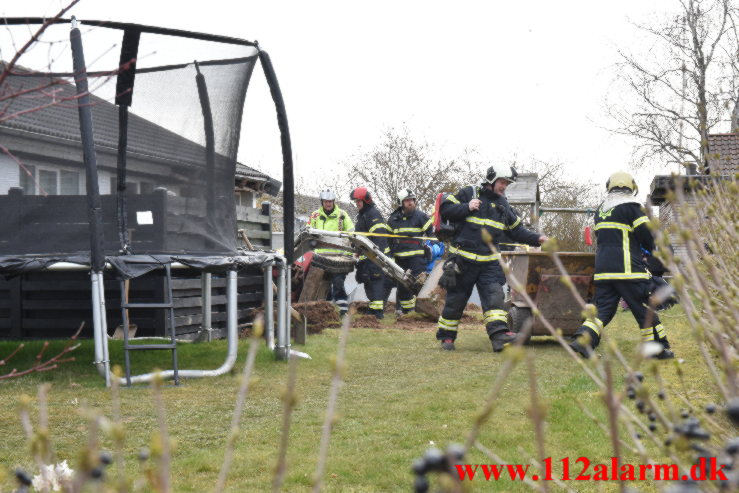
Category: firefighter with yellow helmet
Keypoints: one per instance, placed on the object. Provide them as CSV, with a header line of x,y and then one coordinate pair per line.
x,y
620,272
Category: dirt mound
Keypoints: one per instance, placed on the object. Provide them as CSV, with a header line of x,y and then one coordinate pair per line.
x,y
323,314
415,321
362,307
366,322
359,307
320,314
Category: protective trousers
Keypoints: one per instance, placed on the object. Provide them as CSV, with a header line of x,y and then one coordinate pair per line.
x,y
489,278
636,295
374,286
417,265
337,292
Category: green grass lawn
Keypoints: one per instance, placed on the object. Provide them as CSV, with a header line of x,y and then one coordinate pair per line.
x,y
401,396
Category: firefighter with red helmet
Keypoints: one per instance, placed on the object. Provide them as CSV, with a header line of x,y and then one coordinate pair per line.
x,y
621,228
330,217
410,253
472,210
369,220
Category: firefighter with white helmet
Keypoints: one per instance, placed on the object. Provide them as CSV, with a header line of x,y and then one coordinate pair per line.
x,y
621,227
474,209
329,217
410,252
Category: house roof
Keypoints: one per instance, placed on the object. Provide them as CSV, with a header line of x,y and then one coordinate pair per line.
x,y
49,110
306,204
244,172
723,153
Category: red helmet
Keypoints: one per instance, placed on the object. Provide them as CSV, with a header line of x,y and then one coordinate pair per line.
x,y
361,193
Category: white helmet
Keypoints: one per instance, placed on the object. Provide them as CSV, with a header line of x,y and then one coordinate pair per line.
x,y
327,194
405,193
498,171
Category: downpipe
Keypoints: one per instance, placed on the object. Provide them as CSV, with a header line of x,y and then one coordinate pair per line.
x,y
269,295
282,349
99,326
206,293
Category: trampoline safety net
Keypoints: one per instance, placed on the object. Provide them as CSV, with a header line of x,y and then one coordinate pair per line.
x,y
166,113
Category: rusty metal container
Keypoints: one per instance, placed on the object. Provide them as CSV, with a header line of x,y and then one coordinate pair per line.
x,y
536,270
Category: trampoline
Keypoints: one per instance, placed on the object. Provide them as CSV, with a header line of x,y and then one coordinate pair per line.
x,y
125,164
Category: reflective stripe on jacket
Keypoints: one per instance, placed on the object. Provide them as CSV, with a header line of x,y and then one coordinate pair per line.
x,y
494,215
415,224
338,220
369,220
622,232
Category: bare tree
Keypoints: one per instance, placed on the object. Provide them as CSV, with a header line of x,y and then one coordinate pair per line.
x,y
731,77
399,161
558,189
676,88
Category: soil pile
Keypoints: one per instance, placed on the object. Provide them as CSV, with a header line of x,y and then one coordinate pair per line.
x,y
319,314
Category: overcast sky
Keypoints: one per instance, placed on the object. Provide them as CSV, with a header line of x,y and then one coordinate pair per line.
x,y
510,79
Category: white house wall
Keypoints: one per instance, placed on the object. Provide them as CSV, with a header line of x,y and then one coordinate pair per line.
x,y
8,174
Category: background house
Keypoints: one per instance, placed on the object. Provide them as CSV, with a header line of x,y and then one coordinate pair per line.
x,y
304,207
43,134
43,170
723,163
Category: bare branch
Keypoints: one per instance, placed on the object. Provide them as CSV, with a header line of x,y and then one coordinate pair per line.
x,y
34,39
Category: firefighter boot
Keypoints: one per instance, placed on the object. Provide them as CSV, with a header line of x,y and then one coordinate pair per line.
x,y
666,352
584,341
502,338
447,345
582,350
343,306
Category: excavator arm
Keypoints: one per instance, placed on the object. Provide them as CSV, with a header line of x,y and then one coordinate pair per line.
x,y
310,239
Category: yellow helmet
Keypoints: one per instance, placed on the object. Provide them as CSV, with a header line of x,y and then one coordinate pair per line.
x,y
621,179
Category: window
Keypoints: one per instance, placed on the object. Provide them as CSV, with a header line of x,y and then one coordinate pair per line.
x,y
47,182
132,187
69,183
26,182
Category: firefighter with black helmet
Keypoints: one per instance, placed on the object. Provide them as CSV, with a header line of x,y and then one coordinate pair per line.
x,y
369,220
329,217
621,228
409,252
474,209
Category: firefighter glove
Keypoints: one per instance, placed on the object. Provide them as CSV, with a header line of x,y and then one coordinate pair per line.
x,y
449,277
428,252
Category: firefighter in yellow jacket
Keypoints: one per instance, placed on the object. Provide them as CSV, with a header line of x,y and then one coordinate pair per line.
x,y
620,271
329,217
